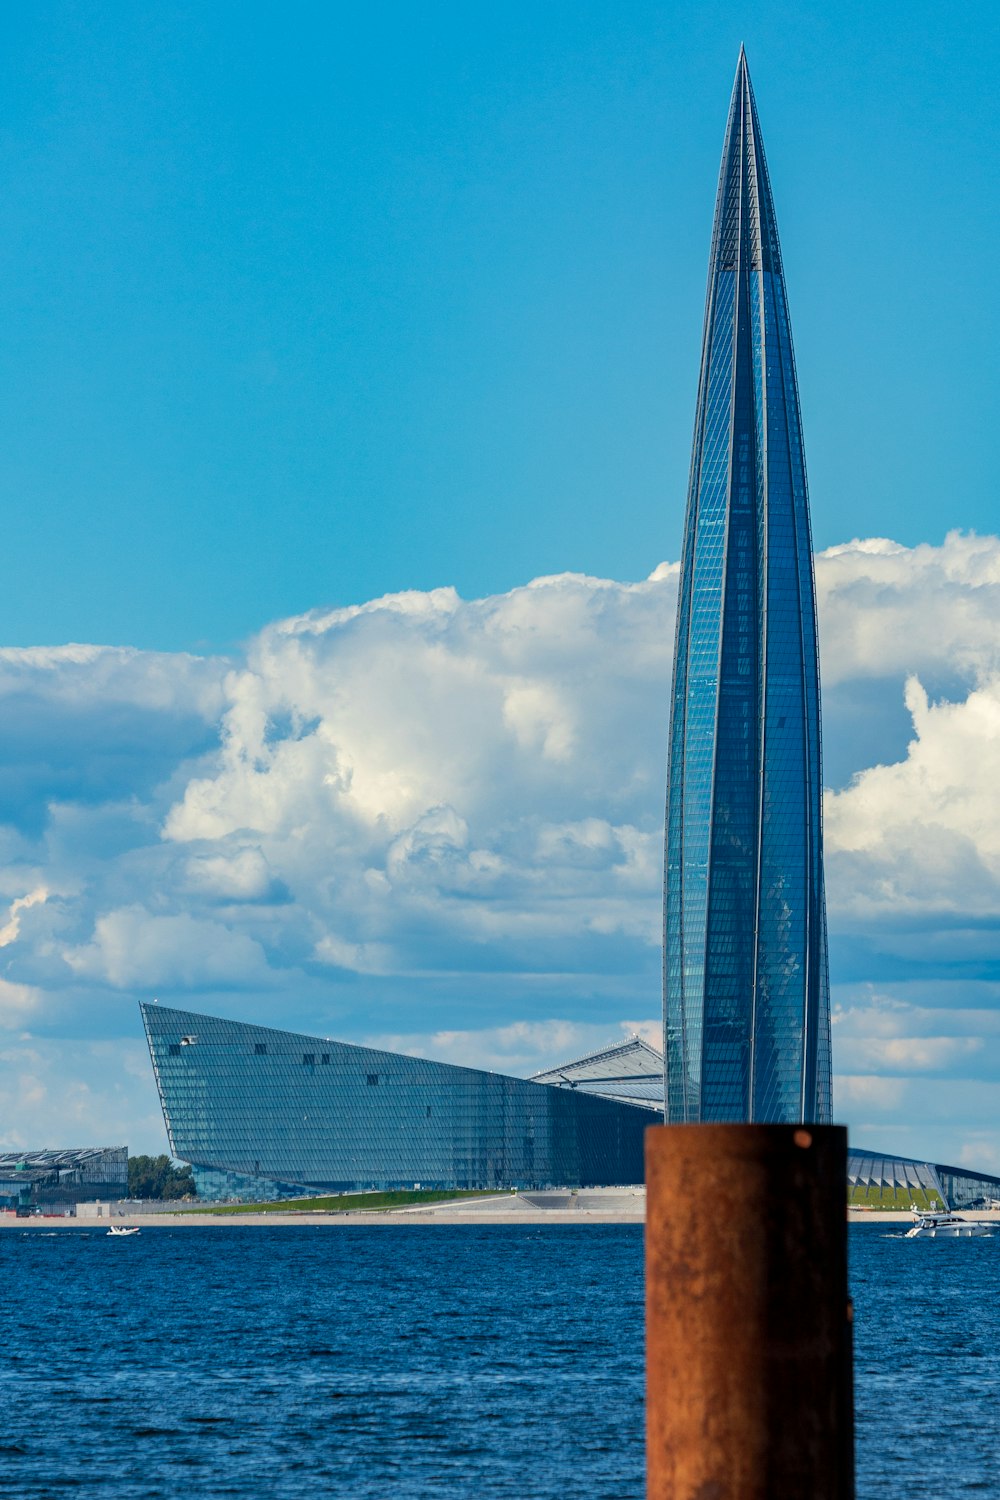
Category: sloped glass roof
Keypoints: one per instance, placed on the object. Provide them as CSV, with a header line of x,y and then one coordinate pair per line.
x,y
630,1071
77,1157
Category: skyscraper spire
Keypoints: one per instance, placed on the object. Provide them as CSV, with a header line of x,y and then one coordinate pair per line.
x,y
746,989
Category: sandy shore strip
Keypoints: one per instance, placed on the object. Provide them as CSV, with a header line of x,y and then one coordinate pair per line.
x,y
597,1207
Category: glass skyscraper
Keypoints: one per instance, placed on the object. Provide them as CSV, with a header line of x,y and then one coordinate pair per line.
x,y
746,988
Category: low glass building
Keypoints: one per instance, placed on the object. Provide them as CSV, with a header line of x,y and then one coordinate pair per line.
x,y
258,1112
876,1180
54,1178
630,1071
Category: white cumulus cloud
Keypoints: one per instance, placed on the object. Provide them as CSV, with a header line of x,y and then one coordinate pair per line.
x,y
439,819
133,949
924,832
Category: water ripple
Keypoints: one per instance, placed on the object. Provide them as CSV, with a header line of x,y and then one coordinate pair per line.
x,y
431,1362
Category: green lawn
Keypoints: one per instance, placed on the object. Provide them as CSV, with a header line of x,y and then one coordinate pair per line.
x,y
892,1198
344,1202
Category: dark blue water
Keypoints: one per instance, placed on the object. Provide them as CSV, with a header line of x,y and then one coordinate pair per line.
x,y
503,1361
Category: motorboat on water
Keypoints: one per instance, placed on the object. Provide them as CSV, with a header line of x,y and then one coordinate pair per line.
x,y
944,1226
123,1231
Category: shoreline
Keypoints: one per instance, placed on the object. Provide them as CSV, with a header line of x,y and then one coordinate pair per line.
x,y
489,1213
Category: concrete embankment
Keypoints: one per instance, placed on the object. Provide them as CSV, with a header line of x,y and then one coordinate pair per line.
x,y
595,1206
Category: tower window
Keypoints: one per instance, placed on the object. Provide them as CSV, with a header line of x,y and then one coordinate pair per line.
x,y
372,1079
308,1058
260,1049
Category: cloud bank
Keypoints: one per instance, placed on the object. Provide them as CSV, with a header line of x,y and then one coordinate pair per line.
x,y
439,821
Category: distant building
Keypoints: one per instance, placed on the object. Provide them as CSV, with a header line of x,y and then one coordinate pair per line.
x,y
259,1112
745,985
629,1071
632,1071
878,1180
30,1179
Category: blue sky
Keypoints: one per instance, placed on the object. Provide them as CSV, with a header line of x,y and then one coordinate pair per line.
x,y
304,305
349,368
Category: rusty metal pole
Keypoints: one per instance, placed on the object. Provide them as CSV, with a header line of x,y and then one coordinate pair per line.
x,y
748,1347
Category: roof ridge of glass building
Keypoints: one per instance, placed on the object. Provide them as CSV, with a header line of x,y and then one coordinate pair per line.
x,y
147,1007
630,1071
55,1156
862,1151
613,1049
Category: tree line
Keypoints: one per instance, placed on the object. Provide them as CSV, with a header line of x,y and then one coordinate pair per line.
x,y
158,1177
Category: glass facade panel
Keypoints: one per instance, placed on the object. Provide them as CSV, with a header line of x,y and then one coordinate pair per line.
x,y
57,1178
746,992
879,1181
631,1071
248,1103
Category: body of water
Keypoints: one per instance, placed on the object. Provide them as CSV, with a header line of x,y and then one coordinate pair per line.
x,y
433,1361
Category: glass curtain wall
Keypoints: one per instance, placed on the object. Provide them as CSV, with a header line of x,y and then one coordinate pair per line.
x,y
746,990
278,1107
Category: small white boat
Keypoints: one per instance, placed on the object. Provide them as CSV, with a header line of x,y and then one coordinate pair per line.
x,y
121,1231
945,1226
